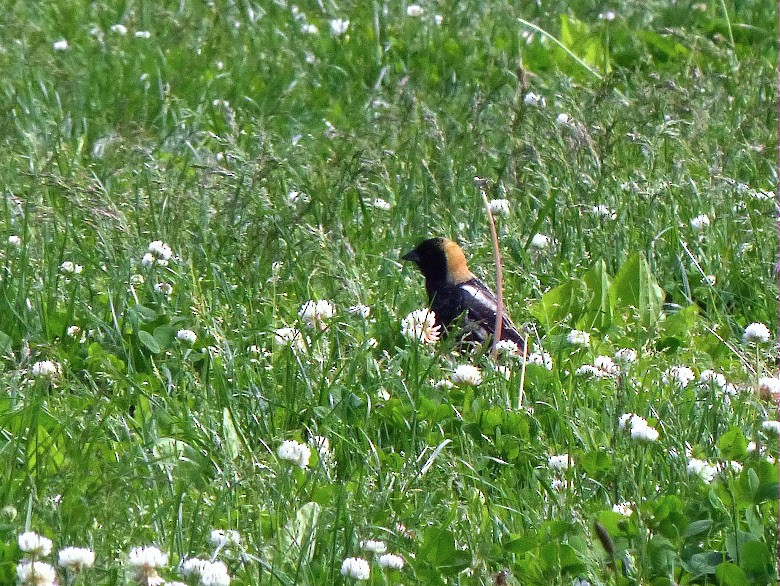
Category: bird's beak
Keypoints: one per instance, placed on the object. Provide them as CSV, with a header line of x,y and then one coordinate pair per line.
x,y
411,256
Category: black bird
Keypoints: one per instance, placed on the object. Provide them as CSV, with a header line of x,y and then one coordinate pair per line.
x,y
453,290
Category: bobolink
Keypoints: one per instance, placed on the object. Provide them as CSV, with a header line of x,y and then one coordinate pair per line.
x,y
453,290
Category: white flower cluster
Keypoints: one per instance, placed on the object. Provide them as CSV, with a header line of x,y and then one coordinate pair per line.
x,y
756,333
224,538
76,559
322,446
559,462
390,561
362,310
71,268
144,561
32,572
625,356
702,469
602,367
624,509
356,568
638,428
578,338
46,369
289,337
681,376
769,388
467,374
500,207
36,546
316,313
540,358
540,241
186,336
35,574
294,452
604,212
210,573
373,546
700,222
158,253
420,325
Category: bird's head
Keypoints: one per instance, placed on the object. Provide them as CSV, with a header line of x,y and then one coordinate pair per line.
x,y
441,261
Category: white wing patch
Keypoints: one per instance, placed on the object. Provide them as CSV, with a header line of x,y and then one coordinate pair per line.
x,y
480,296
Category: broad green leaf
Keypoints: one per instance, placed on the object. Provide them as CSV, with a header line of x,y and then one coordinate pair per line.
x,y
600,309
149,341
729,574
558,303
635,287
733,444
299,534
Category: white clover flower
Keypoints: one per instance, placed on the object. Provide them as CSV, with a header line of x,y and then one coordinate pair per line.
x,y
625,356
540,241
373,546
609,15
74,331
356,568
466,374
71,267
289,337
606,365
644,433
559,462
751,447
391,561
315,313
700,222
160,250
61,45
702,469
679,375
222,537
771,426
46,369
338,26
309,29
14,241
147,556
381,204
294,452
499,207
541,358
730,466
362,310
578,338
507,347
420,325
444,384
414,10
604,211
559,484
148,260
709,280
76,559
637,427
756,333
769,387
710,377
532,99
35,574
563,119
142,34
187,336
192,567
214,574
164,288
137,279
120,29
36,545
587,370
623,509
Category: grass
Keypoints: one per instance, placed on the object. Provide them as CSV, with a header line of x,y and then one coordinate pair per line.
x,y
258,152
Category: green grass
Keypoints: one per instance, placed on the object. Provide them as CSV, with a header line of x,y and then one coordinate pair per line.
x,y
198,135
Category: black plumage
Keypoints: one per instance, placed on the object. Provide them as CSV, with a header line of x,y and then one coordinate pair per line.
x,y
453,290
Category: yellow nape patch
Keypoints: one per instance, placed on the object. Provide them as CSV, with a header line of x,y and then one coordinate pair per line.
x,y
457,268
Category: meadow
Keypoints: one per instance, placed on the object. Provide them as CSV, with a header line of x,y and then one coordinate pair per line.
x,y
208,370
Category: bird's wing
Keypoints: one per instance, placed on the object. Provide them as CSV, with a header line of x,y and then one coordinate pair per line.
x,y
482,306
